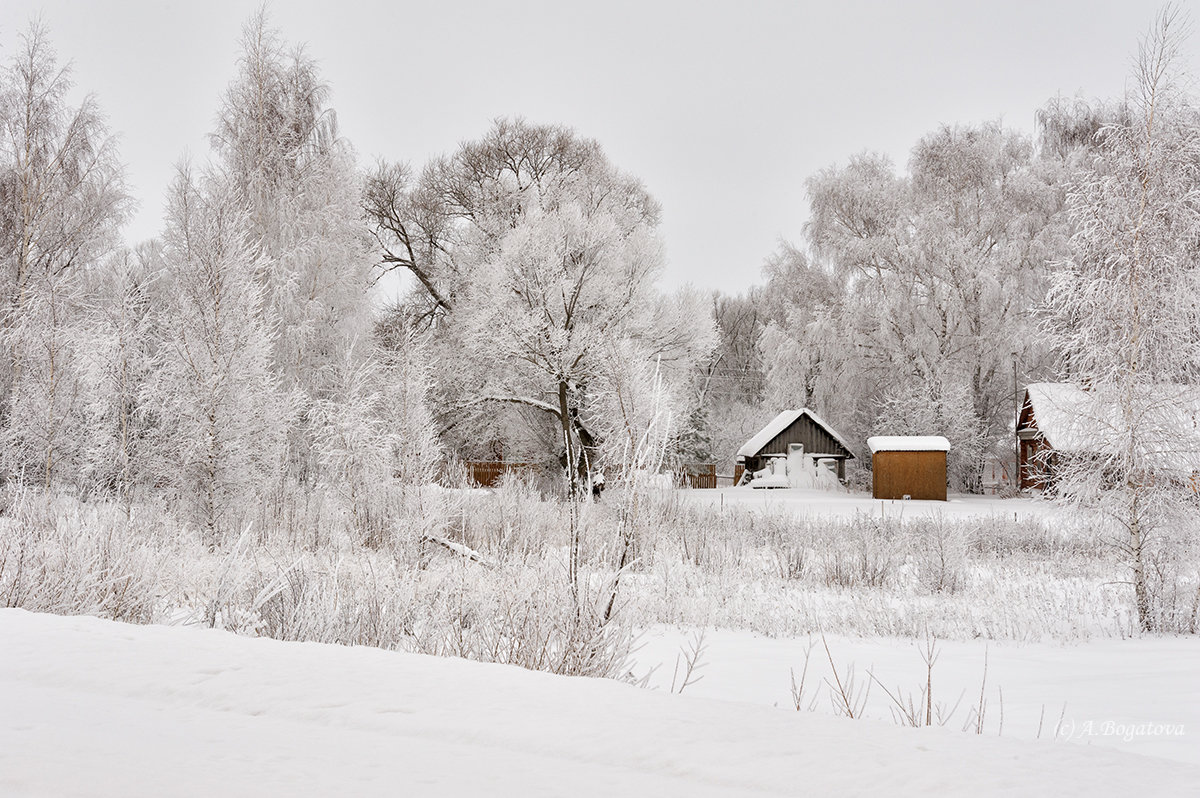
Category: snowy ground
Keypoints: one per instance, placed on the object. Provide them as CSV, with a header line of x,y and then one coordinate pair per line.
x,y
844,504
1141,696
91,707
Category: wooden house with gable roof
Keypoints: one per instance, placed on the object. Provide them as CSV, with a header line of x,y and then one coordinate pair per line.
x,y
791,429
1060,421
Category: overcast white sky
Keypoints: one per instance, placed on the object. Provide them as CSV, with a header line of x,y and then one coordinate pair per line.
x,y
722,109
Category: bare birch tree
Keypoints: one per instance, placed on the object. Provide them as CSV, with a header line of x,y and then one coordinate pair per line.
x,y
221,417
278,145
61,200
1125,314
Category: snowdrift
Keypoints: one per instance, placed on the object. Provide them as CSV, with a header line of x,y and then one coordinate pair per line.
x,y
92,707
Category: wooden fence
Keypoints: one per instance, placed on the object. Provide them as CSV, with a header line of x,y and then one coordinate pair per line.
x,y
698,475
487,474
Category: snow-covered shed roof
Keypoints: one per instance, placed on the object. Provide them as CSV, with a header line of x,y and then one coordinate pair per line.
x,y
781,422
908,443
1167,420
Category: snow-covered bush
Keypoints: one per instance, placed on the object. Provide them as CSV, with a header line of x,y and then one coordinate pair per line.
x,y
939,554
63,557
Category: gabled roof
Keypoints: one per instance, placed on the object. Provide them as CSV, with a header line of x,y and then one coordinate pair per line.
x,y
781,422
1166,417
1065,416
908,443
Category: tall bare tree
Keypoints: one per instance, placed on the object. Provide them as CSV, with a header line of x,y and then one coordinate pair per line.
x,y
278,146
222,415
1125,315
62,198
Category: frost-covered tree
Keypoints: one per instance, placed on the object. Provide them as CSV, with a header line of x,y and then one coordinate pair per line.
x,y
61,201
939,268
916,409
406,383
221,418
570,278
1068,128
278,146
412,228
123,318
540,259
735,370
801,343
731,381
376,431
1124,312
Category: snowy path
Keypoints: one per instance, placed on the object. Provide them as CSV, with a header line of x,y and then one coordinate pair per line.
x,y
90,707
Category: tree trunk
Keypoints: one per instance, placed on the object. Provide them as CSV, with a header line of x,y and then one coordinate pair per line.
x,y
1137,561
572,495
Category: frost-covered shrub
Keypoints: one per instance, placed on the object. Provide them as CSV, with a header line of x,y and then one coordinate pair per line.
x,y
790,544
878,549
482,574
510,522
70,559
1032,537
1173,580
998,577
860,552
515,615
938,551
793,558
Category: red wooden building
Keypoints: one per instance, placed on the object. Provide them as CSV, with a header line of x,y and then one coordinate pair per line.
x,y
1059,421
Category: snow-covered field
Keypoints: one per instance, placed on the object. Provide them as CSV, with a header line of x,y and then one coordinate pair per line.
x,y
164,710
92,707
1140,695
822,503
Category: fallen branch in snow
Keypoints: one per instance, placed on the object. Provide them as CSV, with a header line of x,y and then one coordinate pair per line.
x,y
461,550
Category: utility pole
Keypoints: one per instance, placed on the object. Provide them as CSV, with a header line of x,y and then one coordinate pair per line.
x,y
1016,472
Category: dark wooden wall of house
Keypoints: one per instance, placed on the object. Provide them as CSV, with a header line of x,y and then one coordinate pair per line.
x,y
919,475
1037,464
1035,453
